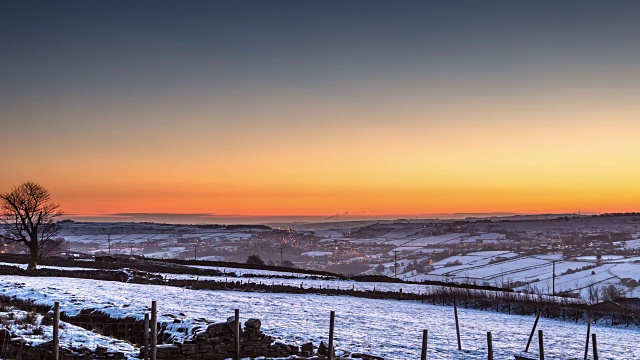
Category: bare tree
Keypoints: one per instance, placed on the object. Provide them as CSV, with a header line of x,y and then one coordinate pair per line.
x,y
28,216
611,293
594,292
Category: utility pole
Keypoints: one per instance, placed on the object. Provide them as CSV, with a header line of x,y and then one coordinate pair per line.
x,y
281,252
554,278
109,240
195,251
395,263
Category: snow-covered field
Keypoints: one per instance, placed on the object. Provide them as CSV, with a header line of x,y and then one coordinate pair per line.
x,y
314,283
502,268
243,272
275,278
387,328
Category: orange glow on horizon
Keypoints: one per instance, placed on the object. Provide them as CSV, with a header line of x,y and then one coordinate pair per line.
x,y
417,157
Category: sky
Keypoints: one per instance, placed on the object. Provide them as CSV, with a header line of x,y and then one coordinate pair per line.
x,y
292,108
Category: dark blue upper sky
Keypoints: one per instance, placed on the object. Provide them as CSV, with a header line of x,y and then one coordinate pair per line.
x,y
87,46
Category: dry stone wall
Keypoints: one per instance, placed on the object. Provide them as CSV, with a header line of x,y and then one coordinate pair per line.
x,y
218,343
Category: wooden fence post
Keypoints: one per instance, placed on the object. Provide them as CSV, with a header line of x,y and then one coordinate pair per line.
x,y
145,336
425,336
533,331
236,334
595,346
541,343
56,332
586,346
331,324
154,330
490,345
455,311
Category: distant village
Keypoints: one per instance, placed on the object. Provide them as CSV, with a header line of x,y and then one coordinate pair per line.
x,y
477,250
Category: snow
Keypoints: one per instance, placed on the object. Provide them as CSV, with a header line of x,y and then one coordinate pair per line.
x,y
70,336
632,244
317,253
477,258
604,258
387,328
486,238
247,272
24,267
433,240
313,284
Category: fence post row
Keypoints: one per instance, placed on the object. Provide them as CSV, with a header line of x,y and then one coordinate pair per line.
x,y
425,336
586,346
533,331
154,330
237,333
455,311
56,331
331,324
541,343
150,333
145,336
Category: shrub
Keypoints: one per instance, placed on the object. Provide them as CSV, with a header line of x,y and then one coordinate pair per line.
x,y
254,260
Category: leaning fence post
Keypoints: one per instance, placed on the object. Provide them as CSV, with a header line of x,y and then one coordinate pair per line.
x,y
237,333
490,345
595,346
455,311
425,336
541,343
586,346
535,324
331,323
145,336
154,330
56,326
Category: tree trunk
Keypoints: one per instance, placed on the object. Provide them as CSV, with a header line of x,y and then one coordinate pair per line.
x,y
33,258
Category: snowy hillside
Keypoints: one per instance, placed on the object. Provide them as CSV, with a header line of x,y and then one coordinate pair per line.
x,y
387,328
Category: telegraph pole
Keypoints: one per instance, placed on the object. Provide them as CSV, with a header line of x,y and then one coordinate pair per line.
x,y
554,278
281,256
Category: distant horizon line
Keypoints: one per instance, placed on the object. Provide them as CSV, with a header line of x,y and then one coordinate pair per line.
x,y
210,218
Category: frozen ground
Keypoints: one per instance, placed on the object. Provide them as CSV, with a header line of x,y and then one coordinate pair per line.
x,y
387,328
